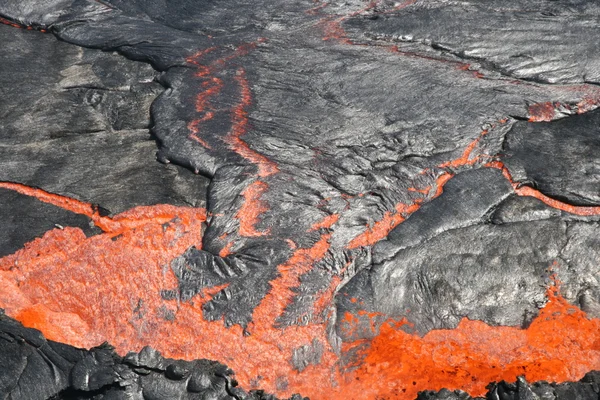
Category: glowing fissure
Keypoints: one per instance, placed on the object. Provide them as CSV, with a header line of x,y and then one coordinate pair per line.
x,y
252,208
212,86
531,192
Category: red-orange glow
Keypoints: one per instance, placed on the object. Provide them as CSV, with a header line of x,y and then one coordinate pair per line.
x,y
10,23
240,126
225,251
588,104
326,222
193,127
467,67
113,226
440,182
198,55
325,299
20,26
84,291
381,228
577,210
424,191
64,283
466,159
542,112
252,208
67,203
281,295
333,30
561,344
391,219
212,86
110,289
531,192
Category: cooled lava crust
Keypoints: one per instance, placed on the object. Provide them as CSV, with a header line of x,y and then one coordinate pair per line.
x,y
342,199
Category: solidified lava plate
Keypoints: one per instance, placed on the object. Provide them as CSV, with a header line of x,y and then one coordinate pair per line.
x,y
338,199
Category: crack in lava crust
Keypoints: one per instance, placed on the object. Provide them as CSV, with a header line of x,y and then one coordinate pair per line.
x,y
128,273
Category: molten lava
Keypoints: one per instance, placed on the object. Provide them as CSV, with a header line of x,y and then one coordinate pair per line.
x,y
85,290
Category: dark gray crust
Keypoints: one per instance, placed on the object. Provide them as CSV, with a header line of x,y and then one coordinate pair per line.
x,y
354,125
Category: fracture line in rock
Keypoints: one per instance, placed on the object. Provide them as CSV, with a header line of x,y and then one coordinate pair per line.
x,y
325,223
213,86
550,111
391,219
124,221
226,251
240,126
332,27
281,294
527,191
20,26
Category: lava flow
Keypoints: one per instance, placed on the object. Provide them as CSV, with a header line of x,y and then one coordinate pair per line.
x,y
111,289
214,79
531,192
560,344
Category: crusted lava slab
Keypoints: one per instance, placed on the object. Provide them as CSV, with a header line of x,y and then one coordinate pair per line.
x,y
367,176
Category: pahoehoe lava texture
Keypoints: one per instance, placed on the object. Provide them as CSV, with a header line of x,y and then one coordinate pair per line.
x,y
423,161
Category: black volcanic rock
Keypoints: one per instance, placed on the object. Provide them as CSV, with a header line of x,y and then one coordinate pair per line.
x,y
543,154
24,219
36,368
77,125
586,388
491,35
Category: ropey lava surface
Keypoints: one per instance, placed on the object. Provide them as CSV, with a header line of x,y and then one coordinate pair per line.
x,y
301,193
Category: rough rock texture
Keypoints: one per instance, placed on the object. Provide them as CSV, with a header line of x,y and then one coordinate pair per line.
x,y
36,368
542,154
50,370
77,125
587,388
419,161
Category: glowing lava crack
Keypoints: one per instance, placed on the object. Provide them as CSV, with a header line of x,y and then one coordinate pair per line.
x,y
126,274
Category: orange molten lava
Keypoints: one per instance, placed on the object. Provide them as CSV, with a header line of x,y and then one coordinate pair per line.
x,y
561,344
83,291
531,192
252,208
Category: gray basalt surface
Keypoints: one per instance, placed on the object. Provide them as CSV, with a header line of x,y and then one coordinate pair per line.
x,y
352,112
